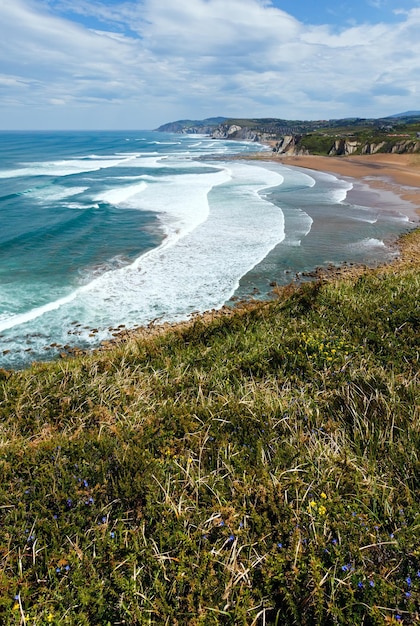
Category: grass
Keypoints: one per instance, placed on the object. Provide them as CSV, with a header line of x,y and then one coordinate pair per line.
x,y
258,466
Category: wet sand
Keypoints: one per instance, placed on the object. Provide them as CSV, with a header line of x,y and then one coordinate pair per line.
x,y
398,174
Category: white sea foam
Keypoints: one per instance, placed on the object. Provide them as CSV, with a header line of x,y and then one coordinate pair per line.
x,y
213,240
366,220
63,168
339,195
82,206
297,177
368,242
336,188
55,192
299,225
21,318
120,195
142,177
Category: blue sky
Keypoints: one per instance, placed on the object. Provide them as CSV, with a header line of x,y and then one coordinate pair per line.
x,y
136,64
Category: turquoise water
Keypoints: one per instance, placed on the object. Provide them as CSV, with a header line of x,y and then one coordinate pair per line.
x,y
102,229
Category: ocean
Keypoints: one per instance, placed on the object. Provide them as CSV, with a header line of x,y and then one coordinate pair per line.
x,y
105,229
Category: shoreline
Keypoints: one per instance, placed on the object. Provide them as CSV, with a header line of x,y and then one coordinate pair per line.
x,y
398,174
393,174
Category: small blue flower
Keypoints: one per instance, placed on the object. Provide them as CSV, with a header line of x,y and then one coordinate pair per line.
x,y
221,523
112,534
103,520
408,581
345,568
407,594
360,584
334,542
371,583
67,568
69,503
279,545
398,617
231,537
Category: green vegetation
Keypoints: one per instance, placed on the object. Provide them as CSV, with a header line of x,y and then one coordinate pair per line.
x,y
319,144
260,466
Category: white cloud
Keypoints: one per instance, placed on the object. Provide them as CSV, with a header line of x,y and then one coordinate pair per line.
x,y
197,58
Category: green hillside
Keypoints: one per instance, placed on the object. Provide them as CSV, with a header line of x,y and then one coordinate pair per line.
x,y
257,466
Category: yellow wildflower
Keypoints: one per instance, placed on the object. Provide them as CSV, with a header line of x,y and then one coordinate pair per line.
x,y
324,495
322,510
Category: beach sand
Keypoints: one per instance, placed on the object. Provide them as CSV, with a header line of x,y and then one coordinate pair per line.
x,y
395,173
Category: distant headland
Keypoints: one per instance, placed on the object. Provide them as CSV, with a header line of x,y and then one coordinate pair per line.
x,y
396,134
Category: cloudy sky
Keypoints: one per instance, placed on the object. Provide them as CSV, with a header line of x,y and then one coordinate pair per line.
x,y
136,64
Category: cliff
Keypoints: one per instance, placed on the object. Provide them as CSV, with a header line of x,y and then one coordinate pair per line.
x,y
241,133
323,137
296,145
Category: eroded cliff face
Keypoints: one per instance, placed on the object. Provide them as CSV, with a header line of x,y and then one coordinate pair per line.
x,y
402,147
294,145
224,131
289,145
343,147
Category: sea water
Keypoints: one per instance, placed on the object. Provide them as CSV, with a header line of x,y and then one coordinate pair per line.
x,y
104,229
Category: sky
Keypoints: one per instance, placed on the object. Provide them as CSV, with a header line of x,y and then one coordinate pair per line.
x,y
137,64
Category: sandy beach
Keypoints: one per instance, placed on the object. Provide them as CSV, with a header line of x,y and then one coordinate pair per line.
x,y
396,173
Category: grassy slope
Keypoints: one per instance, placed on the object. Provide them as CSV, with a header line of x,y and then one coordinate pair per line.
x,y
261,467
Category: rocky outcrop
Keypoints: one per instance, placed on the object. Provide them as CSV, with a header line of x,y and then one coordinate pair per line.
x,y
343,147
289,145
400,147
372,148
406,146
240,133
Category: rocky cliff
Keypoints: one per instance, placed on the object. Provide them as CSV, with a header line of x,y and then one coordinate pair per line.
x,y
289,144
352,136
296,145
241,133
